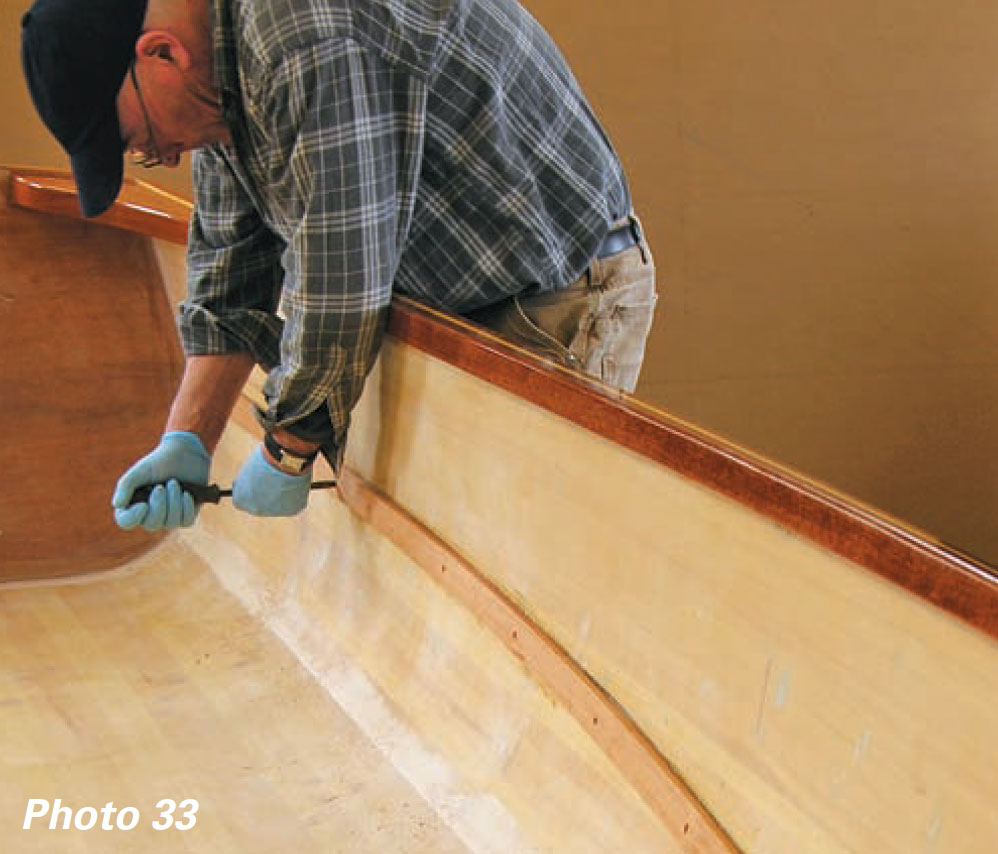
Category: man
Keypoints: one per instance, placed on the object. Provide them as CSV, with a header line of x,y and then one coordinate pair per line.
x,y
343,149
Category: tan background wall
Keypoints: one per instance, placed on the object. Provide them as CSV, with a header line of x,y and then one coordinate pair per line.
x,y
819,183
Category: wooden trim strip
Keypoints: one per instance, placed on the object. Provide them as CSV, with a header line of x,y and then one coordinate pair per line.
x,y
630,750
938,574
141,207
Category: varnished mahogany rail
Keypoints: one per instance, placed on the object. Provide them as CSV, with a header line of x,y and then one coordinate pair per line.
x,y
141,207
938,574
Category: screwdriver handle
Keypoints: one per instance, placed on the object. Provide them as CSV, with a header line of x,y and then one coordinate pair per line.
x,y
202,494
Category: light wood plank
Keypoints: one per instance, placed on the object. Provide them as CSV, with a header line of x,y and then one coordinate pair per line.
x,y
607,723
811,705
456,684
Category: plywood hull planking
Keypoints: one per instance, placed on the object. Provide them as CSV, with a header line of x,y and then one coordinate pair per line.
x,y
810,704
89,362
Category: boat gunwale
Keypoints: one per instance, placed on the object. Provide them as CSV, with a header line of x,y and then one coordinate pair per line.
x,y
934,571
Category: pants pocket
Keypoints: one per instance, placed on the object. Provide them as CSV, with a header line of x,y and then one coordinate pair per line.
x,y
610,345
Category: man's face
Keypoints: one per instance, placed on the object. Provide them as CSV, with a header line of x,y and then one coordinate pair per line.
x,y
161,114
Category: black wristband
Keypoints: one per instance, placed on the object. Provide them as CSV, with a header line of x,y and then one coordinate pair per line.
x,y
290,462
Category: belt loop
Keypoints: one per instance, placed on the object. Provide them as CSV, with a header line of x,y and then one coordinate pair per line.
x,y
635,224
639,234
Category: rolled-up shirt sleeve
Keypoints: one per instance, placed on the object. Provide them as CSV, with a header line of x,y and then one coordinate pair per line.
x,y
234,273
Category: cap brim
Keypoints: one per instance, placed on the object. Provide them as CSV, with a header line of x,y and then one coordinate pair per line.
x,y
98,167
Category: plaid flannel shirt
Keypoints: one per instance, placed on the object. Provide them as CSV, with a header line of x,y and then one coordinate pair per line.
x,y
438,147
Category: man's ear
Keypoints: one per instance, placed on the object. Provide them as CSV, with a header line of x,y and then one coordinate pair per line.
x,y
165,46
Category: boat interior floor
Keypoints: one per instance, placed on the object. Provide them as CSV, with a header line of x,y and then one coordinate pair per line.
x,y
154,683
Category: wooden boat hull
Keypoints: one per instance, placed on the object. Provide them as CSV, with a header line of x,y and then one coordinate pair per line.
x,y
538,636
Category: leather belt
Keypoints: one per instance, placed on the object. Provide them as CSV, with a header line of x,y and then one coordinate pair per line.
x,y
620,238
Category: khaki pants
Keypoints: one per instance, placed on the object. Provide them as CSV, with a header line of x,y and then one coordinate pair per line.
x,y
598,325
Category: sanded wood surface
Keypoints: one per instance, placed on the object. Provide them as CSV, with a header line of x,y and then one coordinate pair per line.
x,y
158,684
639,761
948,579
89,362
473,700
809,704
311,688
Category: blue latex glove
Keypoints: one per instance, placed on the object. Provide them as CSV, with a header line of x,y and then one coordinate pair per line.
x,y
179,456
263,490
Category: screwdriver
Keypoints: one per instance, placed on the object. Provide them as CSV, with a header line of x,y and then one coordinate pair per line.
x,y
207,494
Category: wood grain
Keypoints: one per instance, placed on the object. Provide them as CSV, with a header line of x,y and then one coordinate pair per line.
x,y
89,361
140,207
941,575
810,704
155,682
471,673
693,828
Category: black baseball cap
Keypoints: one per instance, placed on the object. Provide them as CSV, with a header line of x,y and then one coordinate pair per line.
x,y
76,54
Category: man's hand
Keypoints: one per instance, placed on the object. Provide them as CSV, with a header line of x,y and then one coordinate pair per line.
x,y
179,456
263,490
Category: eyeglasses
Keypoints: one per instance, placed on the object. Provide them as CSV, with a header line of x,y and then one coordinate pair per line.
x,y
144,157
